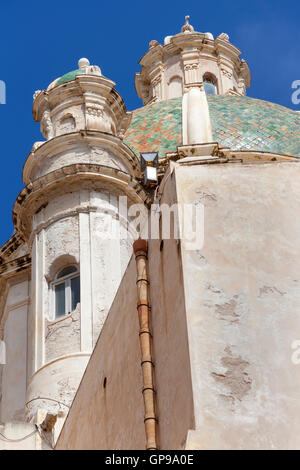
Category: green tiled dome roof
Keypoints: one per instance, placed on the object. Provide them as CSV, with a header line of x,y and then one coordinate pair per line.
x,y
69,76
156,127
243,123
238,122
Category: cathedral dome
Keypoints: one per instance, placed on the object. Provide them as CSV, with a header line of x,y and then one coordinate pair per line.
x,y
238,122
84,67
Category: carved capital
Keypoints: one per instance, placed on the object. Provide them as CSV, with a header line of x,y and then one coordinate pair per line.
x,y
93,111
226,73
191,67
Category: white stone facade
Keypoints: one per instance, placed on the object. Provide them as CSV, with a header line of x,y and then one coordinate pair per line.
x,y
64,217
70,214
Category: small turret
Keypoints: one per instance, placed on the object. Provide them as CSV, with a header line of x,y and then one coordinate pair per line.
x,y
69,213
191,58
79,100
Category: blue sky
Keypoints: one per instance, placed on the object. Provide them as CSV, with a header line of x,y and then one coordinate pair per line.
x,y
41,41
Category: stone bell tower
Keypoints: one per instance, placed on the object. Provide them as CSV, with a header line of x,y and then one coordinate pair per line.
x,y
74,180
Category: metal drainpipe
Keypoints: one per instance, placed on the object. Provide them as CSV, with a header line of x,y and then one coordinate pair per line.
x,y
140,248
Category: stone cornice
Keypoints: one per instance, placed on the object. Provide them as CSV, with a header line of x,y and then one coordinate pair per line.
x,y
213,152
225,47
16,265
36,194
10,247
66,141
74,88
183,41
154,54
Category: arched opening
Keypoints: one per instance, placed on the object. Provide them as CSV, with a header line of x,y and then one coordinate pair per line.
x,y
65,291
175,87
210,84
67,124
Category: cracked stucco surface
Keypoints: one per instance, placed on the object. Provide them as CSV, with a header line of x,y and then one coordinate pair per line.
x,y
63,336
243,300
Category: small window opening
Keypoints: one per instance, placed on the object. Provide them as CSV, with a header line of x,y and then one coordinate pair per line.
x,y
210,84
66,291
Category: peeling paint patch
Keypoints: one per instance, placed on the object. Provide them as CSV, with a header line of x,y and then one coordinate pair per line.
x,y
236,378
205,196
227,311
63,336
202,259
66,390
214,289
268,290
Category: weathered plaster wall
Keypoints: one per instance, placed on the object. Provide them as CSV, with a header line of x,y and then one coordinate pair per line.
x,y
108,411
173,68
82,153
54,385
242,301
14,372
112,418
68,119
1,387
21,436
62,337
73,228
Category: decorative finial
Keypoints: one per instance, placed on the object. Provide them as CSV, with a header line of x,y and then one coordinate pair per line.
x,y
224,37
83,63
153,43
187,27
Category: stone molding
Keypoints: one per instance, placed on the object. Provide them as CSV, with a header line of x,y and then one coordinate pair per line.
x,y
59,144
35,194
213,152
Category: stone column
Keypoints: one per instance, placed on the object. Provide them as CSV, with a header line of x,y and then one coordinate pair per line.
x,y
195,118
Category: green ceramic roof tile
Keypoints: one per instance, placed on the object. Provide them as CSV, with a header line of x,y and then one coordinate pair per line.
x,y
238,122
69,76
254,124
156,128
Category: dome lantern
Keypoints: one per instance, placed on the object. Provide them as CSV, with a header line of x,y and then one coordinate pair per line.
x,y
191,58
